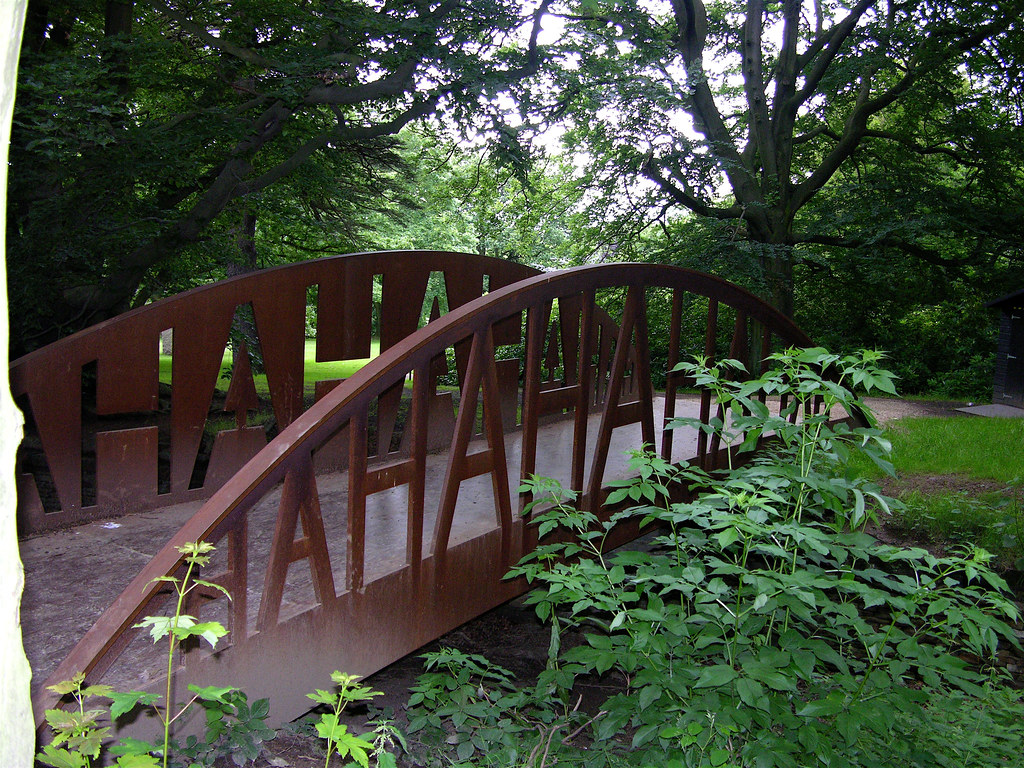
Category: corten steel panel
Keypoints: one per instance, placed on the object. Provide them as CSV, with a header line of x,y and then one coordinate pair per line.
x,y
370,615
280,324
55,400
195,367
128,379
125,354
126,470
232,448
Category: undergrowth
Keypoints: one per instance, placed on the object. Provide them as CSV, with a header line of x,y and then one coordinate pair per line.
x,y
993,520
764,628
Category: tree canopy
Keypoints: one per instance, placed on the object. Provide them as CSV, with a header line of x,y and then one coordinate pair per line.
x,y
856,162
782,120
148,135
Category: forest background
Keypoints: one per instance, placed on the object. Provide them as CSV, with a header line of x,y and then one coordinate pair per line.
x,y
856,163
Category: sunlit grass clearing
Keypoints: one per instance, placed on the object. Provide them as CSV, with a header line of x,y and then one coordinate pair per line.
x,y
979,449
983,448
314,371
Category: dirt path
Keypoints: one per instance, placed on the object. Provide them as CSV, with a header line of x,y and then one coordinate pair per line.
x,y
888,409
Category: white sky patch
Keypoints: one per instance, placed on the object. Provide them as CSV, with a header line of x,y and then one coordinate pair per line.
x,y
552,28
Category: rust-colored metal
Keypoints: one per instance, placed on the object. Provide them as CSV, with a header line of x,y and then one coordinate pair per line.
x,y
125,465
579,366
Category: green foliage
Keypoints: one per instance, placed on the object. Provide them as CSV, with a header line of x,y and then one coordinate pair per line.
x,y
179,627
765,627
357,748
233,727
81,730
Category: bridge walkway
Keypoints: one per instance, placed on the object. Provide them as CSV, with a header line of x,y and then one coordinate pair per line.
x,y
385,513
72,575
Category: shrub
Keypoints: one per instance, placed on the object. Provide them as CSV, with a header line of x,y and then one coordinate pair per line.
x,y
766,627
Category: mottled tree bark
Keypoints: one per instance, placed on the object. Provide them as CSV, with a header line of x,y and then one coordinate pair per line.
x,y
17,731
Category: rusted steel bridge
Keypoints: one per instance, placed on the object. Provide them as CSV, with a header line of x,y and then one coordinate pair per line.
x,y
386,512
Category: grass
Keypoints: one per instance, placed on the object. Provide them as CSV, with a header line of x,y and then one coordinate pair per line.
x,y
961,481
993,521
313,371
985,449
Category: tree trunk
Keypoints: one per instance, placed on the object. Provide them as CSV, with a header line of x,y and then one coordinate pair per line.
x,y
17,730
118,21
777,267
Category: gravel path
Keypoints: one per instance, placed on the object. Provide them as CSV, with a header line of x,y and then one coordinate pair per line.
x,y
888,409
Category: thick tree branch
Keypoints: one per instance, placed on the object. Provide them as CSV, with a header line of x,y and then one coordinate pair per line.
x,y
928,255
688,199
395,84
691,31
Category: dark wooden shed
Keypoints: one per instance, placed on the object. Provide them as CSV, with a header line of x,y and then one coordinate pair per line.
x,y
1008,384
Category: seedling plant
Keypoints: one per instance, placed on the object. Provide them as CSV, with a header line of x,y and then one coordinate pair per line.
x,y
233,727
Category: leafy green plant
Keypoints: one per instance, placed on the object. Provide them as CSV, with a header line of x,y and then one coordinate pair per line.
x,y
465,708
358,747
232,726
81,731
177,628
767,627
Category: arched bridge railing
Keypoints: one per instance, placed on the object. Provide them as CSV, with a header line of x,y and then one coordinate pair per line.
x,y
113,428
355,569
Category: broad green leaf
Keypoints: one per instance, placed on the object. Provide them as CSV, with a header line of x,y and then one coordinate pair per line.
x,y
211,692
159,626
648,695
138,761
61,758
714,676
718,757
123,703
210,631
831,705
752,693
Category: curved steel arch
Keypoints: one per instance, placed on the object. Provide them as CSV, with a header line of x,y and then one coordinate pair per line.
x,y
597,371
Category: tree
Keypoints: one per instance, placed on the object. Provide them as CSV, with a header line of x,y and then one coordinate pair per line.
x,y
150,135
748,113
466,199
17,736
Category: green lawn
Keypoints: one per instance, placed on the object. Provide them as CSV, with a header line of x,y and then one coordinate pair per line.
x,y
961,482
314,371
988,449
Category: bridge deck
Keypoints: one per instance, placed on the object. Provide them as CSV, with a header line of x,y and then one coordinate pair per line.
x,y
73,575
